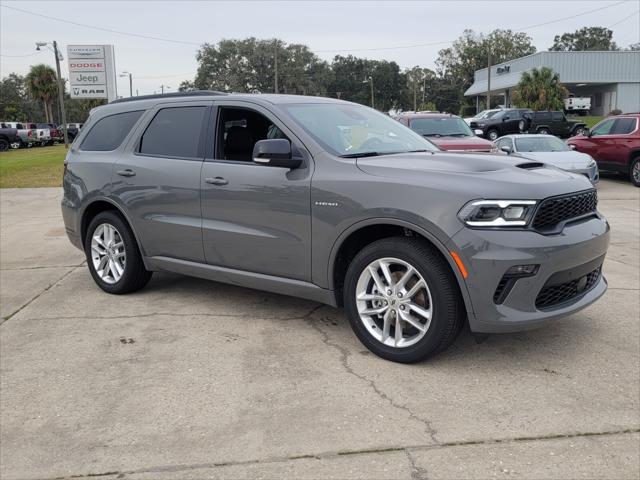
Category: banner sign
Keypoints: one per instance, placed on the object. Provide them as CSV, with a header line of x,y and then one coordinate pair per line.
x,y
92,71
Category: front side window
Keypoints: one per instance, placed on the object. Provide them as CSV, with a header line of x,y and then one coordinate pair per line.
x,y
174,132
354,130
109,132
624,126
603,128
441,127
540,144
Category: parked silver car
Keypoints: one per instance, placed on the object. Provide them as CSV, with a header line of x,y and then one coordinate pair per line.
x,y
550,150
335,202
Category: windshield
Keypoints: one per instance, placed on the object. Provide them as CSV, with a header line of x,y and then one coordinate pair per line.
x,y
486,114
353,130
540,144
441,127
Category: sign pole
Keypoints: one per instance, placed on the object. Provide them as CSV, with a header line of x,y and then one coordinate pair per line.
x,y
61,96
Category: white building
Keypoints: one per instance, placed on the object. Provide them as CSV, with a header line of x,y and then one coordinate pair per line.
x,y
611,79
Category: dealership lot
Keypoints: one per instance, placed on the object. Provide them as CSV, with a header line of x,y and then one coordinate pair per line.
x,y
194,379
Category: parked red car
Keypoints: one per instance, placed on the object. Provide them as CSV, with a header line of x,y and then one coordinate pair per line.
x,y
449,132
615,144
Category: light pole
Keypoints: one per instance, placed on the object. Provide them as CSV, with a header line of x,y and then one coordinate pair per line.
x,y
63,112
370,80
163,86
125,74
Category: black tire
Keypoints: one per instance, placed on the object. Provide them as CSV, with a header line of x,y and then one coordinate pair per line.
x,y
4,145
634,171
448,312
493,134
578,131
135,276
544,131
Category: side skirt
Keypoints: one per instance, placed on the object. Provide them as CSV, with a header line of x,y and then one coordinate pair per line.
x,y
241,278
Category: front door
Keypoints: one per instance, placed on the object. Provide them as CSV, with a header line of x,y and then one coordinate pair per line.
x,y
158,180
255,218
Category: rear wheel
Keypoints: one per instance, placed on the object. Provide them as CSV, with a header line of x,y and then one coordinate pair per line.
x,y
4,145
113,256
402,300
578,131
634,171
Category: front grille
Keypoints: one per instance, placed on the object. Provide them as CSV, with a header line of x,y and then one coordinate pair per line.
x,y
501,292
554,211
552,295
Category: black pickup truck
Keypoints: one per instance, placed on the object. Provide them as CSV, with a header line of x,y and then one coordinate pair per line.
x,y
8,136
554,123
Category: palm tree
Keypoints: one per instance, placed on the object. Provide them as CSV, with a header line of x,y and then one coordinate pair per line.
x,y
41,83
540,89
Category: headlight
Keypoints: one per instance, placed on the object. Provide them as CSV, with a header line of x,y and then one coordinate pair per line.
x,y
497,213
481,125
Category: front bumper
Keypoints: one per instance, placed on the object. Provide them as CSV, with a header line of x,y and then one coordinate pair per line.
x,y
488,254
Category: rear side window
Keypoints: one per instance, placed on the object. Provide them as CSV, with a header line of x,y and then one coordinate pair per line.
x,y
542,116
174,132
557,116
109,132
624,126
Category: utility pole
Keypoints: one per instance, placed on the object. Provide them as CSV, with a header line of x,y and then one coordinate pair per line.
x,y
489,79
415,98
124,74
162,87
275,56
61,96
424,89
372,103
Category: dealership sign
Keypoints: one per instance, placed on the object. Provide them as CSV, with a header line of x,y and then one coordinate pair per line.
x,y
92,71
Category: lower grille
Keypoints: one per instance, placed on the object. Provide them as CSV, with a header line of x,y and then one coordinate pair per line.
x,y
552,295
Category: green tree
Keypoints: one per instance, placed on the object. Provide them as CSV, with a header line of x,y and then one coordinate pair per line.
x,y
457,64
540,89
15,105
586,38
41,84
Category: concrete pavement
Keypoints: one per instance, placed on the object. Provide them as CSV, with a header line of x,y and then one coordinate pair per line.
x,y
194,379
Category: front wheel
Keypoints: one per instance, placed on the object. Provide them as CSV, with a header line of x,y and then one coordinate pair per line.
x,y
493,135
543,131
402,300
4,145
634,171
578,131
113,256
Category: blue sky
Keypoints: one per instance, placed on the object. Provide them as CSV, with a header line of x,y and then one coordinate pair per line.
x,y
369,29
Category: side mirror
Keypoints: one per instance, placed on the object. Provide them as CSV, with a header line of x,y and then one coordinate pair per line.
x,y
505,118
586,132
572,147
478,132
506,149
275,152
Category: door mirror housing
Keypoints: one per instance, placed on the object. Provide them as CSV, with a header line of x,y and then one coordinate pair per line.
x,y
505,118
587,132
275,152
506,149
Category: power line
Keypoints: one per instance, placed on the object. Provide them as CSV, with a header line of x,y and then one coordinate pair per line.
x,y
624,19
20,56
399,47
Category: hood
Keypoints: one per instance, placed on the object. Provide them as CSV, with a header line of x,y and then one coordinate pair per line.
x,y
462,143
478,175
570,160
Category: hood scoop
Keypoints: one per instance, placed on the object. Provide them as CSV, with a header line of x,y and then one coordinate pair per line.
x,y
530,165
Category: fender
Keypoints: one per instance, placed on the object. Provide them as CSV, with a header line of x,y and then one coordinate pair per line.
x,y
411,226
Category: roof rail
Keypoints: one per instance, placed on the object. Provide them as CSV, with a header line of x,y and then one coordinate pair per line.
x,y
194,93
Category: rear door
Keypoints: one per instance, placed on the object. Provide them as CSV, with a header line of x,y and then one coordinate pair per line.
x,y
511,122
559,125
158,180
255,218
621,141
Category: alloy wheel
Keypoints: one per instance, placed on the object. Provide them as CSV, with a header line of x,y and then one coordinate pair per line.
x,y
394,302
636,172
108,253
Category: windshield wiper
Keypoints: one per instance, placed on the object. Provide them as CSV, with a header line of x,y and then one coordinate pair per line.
x,y
362,154
457,135
431,135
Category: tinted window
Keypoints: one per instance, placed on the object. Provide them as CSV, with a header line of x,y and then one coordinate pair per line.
x,y
441,127
109,132
535,143
624,126
542,116
557,116
174,132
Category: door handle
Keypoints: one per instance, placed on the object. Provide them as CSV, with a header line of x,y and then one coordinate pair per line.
x,y
216,181
126,173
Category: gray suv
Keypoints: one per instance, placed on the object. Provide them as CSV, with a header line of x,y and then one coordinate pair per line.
x,y
334,202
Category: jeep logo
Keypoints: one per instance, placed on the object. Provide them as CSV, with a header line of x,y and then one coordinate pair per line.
x,y
87,78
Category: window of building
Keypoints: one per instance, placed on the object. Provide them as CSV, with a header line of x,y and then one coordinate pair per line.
x,y
109,132
174,132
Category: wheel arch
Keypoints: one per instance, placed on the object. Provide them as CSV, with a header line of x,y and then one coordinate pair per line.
x,y
103,204
356,237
